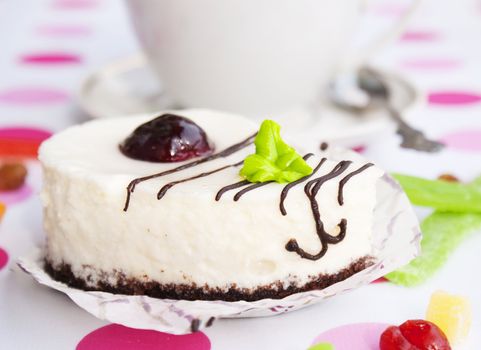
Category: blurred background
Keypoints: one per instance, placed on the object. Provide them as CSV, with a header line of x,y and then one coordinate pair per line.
x,y
64,62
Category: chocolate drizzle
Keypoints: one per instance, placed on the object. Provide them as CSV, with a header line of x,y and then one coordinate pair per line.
x,y
241,192
313,186
345,179
250,188
230,187
286,189
254,186
307,156
323,146
225,153
168,186
311,189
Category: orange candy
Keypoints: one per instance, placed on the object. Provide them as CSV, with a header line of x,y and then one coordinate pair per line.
x,y
3,208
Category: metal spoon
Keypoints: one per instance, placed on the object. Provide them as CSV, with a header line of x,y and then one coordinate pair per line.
x,y
373,93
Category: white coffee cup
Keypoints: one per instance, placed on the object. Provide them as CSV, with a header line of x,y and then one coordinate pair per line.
x,y
247,56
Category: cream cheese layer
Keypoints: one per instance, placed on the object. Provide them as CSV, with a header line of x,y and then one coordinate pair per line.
x,y
189,237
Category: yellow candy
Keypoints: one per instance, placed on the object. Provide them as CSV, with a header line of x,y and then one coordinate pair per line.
x,y
451,313
2,209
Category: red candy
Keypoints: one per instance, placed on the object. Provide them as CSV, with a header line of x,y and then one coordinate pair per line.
x,y
414,335
393,339
425,335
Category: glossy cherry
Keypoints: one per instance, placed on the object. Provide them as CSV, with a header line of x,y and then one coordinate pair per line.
x,y
168,138
414,335
393,339
425,335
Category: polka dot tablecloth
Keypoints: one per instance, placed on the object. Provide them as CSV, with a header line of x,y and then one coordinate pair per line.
x,y
48,46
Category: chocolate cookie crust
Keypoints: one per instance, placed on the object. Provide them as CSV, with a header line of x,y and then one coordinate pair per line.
x,y
132,286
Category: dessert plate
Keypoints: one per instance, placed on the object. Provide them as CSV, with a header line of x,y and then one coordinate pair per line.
x,y
396,238
129,86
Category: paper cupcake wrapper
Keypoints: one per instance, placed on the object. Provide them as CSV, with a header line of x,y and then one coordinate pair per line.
x,y
396,239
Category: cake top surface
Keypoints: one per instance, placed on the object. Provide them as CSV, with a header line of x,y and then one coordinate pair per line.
x,y
93,147
92,151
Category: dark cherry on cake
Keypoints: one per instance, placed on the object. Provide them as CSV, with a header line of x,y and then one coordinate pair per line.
x,y
167,138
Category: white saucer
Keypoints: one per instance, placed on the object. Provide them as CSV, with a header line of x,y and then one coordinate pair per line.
x,y
129,86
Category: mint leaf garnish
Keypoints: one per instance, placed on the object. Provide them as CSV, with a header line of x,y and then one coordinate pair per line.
x,y
274,160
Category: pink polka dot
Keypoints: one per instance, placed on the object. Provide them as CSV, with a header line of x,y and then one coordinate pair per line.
x,y
74,4
118,337
64,30
431,64
32,96
50,58
24,133
16,196
419,36
359,336
464,140
453,98
390,9
3,258
359,149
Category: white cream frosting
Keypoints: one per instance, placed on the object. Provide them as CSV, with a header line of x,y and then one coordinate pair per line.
x,y
188,237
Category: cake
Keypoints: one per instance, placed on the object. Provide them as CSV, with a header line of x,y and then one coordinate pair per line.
x,y
191,227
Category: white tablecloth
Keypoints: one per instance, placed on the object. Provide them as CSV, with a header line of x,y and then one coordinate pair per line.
x,y
48,46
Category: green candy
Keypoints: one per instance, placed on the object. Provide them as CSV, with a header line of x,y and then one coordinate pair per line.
x,y
274,160
322,346
442,233
441,195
